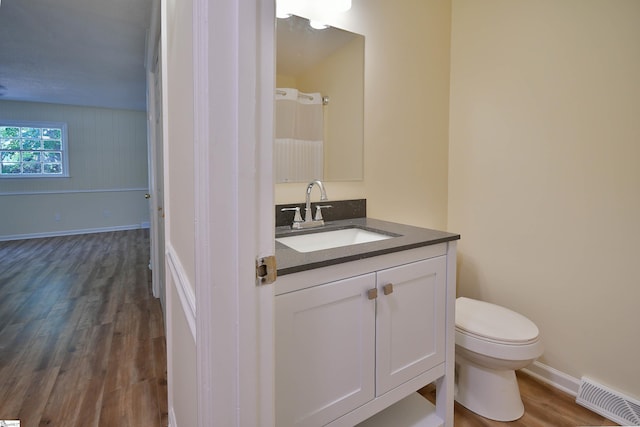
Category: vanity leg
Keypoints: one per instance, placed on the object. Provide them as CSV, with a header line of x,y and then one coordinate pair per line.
x,y
445,385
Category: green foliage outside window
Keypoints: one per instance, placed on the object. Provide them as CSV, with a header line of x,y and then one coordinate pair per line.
x,y
32,150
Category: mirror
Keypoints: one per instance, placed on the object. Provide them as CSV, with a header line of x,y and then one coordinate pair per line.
x,y
320,64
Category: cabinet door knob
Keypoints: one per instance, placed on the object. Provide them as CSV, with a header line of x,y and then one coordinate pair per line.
x,y
372,293
388,288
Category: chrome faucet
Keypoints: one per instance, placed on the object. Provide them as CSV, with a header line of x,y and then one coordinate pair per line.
x,y
309,221
323,196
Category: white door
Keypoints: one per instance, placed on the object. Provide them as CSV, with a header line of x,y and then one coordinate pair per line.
x,y
410,328
325,351
156,177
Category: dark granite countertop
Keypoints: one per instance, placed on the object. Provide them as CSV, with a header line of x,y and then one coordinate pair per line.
x,y
408,237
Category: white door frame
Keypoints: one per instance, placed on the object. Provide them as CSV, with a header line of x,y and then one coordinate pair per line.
x,y
155,176
233,125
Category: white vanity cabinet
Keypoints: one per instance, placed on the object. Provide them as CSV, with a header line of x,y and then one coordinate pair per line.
x,y
355,338
409,321
325,343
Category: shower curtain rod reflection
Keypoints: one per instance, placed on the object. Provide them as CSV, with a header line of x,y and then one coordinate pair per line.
x,y
325,99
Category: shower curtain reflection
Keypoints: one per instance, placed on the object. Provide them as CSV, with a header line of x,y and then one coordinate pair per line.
x,y
298,149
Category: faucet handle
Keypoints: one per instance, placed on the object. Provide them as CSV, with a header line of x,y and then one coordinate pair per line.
x,y
297,217
319,208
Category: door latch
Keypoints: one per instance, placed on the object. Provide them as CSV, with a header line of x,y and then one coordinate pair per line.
x,y
266,270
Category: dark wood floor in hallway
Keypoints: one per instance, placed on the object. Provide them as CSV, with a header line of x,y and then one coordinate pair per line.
x,y
82,340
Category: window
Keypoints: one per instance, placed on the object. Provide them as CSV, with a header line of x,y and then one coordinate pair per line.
x,y
33,149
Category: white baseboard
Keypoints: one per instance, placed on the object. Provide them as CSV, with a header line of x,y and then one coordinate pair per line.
x,y
553,377
172,418
69,232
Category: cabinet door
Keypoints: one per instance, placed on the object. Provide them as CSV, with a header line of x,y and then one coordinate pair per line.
x,y
410,324
325,344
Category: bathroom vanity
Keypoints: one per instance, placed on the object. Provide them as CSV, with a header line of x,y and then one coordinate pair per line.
x,y
361,327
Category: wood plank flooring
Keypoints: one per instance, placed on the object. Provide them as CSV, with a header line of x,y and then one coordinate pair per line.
x,y
544,406
82,339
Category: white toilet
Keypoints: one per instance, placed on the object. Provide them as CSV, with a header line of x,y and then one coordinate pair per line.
x,y
491,343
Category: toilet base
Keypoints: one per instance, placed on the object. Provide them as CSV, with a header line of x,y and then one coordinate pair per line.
x,y
490,393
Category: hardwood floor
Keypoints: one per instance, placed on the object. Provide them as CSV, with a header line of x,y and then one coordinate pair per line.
x,y
544,406
82,339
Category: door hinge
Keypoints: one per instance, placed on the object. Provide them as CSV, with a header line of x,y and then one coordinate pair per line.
x,y
266,271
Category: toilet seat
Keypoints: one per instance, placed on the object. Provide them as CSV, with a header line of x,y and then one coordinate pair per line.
x,y
493,323
505,352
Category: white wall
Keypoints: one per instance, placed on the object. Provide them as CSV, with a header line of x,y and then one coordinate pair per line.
x,y
406,112
177,50
544,176
179,185
108,174
182,357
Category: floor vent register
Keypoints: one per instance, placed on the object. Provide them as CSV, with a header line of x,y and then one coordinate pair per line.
x,y
608,403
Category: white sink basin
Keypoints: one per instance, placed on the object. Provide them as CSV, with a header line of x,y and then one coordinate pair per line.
x,y
331,239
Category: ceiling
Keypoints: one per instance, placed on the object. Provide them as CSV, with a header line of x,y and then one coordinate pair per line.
x,y
76,52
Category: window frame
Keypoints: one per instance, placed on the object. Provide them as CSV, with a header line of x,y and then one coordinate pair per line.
x,y
64,150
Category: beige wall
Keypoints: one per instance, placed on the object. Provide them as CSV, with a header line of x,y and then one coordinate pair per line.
x,y
341,78
344,115
107,152
544,176
406,112
285,81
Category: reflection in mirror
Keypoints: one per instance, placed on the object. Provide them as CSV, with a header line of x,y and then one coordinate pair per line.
x,y
316,139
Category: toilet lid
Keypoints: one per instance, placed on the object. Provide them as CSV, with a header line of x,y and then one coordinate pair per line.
x,y
493,322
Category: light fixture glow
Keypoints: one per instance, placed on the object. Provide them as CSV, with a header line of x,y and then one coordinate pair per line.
x,y
336,5
312,9
284,8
